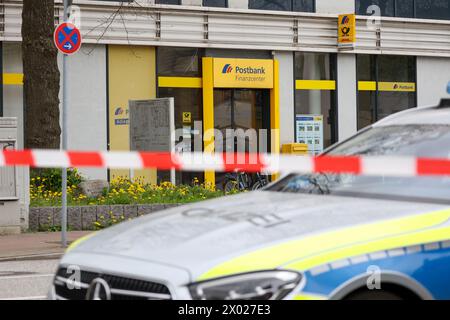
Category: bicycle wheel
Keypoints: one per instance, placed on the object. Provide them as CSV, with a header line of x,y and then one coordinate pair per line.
x,y
231,186
257,186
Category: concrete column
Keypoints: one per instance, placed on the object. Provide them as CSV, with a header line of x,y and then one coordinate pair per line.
x,y
347,98
287,110
14,107
437,69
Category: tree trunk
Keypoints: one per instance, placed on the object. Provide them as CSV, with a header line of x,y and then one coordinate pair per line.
x,y
41,75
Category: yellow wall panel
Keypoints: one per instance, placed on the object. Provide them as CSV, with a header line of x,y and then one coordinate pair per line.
x,y
132,76
275,113
208,113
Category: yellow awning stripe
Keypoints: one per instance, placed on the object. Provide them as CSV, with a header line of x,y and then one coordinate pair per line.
x,y
327,247
367,86
13,79
315,85
397,86
387,86
196,82
180,82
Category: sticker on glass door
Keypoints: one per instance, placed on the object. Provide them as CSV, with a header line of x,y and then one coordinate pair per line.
x,y
310,132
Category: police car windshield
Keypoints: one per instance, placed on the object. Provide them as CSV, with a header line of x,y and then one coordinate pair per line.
x,y
406,140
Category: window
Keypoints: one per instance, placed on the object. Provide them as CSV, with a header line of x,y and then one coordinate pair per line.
x,y
315,100
179,62
215,3
283,5
182,62
386,7
304,5
387,85
175,2
433,9
423,9
395,69
366,97
186,100
404,8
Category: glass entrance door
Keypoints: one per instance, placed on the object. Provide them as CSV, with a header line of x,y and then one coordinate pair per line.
x,y
242,111
242,116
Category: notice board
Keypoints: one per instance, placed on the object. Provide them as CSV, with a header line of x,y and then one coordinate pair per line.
x,y
152,126
152,123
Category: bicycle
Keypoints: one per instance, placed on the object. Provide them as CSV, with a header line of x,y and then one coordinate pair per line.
x,y
261,181
238,181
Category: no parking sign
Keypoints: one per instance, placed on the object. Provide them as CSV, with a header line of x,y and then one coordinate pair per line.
x,y
67,38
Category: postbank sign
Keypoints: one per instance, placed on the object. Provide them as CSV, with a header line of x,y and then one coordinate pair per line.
x,y
243,73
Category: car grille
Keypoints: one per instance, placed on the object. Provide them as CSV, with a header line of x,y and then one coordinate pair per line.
x,y
121,288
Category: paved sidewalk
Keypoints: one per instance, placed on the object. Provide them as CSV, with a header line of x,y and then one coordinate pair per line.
x,y
35,245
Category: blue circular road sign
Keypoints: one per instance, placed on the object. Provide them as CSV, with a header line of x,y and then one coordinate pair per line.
x,y
67,38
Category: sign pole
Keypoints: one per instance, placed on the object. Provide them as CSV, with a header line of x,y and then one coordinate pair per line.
x,y
64,140
68,40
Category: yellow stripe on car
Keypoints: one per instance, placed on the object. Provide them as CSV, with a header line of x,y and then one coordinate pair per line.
x,y
422,237
307,296
77,242
323,248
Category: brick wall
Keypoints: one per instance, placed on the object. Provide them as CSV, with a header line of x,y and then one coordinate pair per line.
x,y
83,218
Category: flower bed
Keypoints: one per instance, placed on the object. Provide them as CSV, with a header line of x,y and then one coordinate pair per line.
x,y
123,192
123,200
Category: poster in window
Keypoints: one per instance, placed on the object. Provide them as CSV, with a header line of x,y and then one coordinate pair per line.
x,y
310,132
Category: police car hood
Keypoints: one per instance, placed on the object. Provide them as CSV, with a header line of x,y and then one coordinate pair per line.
x,y
200,236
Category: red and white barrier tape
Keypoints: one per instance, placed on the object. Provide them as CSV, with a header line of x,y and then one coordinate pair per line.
x,y
370,166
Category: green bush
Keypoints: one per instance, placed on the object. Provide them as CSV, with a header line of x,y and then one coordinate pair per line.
x,y
51,179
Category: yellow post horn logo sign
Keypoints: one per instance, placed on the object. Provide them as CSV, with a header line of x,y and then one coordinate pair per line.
x,y
187,117
347,31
